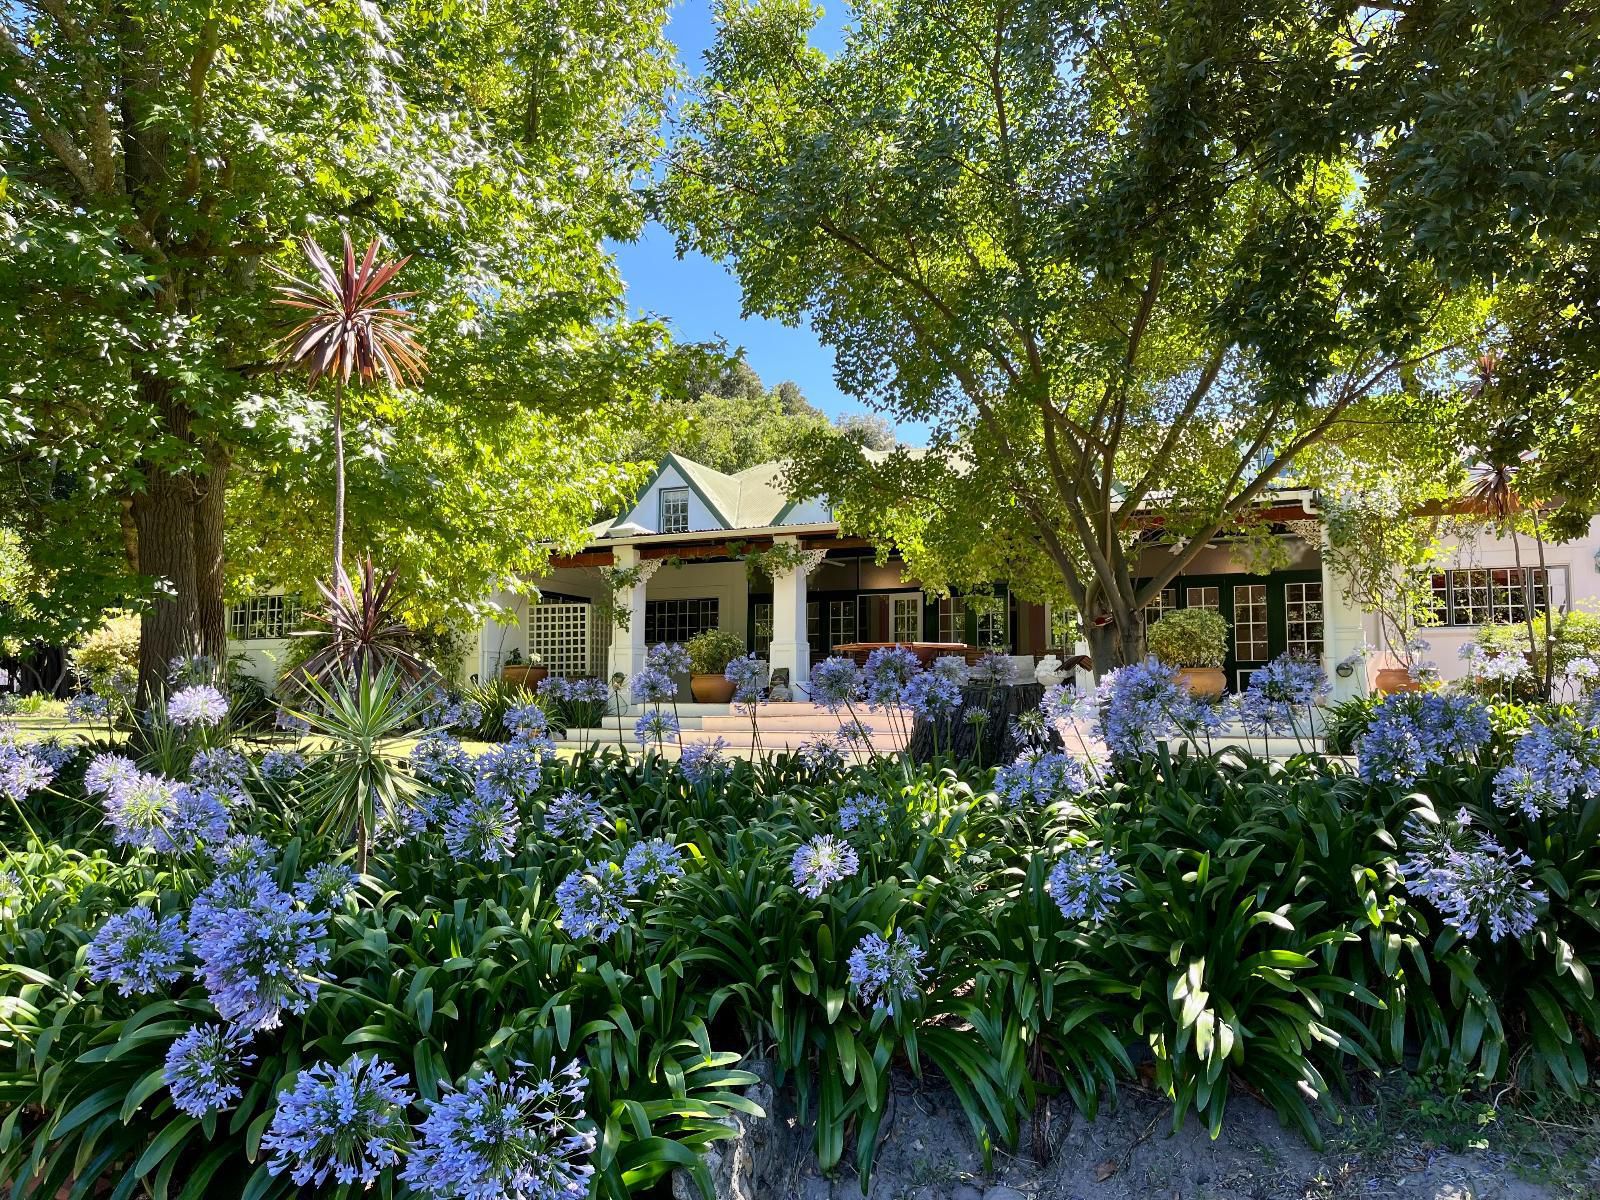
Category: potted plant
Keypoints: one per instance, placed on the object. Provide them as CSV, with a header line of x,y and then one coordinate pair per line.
x,y
710,653
1195,640
523,674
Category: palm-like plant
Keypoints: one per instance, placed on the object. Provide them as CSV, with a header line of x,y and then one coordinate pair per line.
x,y
364,633
1492,492
355,328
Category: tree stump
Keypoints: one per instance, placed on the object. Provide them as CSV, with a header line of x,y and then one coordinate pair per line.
x,y
985,743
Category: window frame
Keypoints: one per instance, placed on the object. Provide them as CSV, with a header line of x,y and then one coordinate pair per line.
x,y
680,620
672,495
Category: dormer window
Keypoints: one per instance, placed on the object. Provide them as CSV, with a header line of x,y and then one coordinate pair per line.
x,y
674,510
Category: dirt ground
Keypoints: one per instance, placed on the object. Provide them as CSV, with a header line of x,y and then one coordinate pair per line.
x,y
1390,1146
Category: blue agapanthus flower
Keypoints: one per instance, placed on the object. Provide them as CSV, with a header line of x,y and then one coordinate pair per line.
x,y
836,683
86,706
1411,732
574,816
143,812
823,754
652,686
1040,777
199,705
748,674
106,773
258,949
22,772
1086,884
995,670
347,1123
954,668
649,863
1472,880
931,696
482,828
863,811
704,762
201,815
1140,704
280,766
221,767
888,670
1554,765
593,901
499,1140
670,657
884,972
137,951
244,855
1281,693
508,772
525,720
656,726
205,1068
820,863
326,887
438,758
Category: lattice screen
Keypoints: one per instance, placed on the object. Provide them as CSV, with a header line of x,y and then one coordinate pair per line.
x,y
559,634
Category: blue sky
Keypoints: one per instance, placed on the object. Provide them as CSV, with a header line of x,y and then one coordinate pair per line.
x,y
700,297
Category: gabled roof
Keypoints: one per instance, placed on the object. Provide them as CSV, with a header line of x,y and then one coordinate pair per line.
x,y
750,499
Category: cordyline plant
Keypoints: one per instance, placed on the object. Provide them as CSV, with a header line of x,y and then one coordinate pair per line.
x,y
364,631
355,329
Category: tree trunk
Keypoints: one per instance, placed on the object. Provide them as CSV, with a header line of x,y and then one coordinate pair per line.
x,y
338,485
1115,643
987,745
210,614
163,522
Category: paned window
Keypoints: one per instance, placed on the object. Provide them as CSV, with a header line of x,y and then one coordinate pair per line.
x,y
1302,604
1250,622
1481,595
674,510
1208,598
263,617
678,620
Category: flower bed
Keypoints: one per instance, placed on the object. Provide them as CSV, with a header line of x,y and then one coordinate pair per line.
x,y
547,975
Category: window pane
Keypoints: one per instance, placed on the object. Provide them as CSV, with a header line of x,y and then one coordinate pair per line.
x,y
952,619
675,510
678,620
1250,622
761,635
1166,602
1203,597
908,618
841,622
1303,602
1470,593
1441,597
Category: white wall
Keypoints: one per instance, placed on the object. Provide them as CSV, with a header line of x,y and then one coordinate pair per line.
x,y
1574,584
727,581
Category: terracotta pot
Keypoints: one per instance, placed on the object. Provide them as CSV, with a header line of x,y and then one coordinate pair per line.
x,y
1205,682
711,689
524,675
1394,679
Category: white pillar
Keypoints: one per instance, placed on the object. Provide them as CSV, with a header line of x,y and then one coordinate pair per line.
x,y
627,631
791,645
1343,633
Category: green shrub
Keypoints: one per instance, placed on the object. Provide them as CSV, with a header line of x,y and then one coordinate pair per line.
x,y
711,651
1189,637
107,660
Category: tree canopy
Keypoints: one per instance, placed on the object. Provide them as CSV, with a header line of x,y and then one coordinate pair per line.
x,y
1131,262
158,158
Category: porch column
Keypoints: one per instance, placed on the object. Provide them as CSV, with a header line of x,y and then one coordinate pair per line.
x,y
791,647
1343,632
627,630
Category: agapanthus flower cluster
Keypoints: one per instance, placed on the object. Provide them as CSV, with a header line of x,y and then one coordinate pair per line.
x,y
704,762
1471,879
243,855
200,704
1140,704
1281,693
863,811
820,863
438,758
1494,666
1086,884
347,1123
205,1067
884,972
201,815
326,887
1063,706
931,696
482,826
257,949
54,753
526,720
106,773
669,657
280,766
888,670
1041,777
561,690
593,901
748,674
656,726
954,668
824,753
995,670
86,706
652,685
288,722
495,1140
220,766
1554,765
444,711
574,816
143,812
836,683
22,772
1411,732
649,863
138,951
509,772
